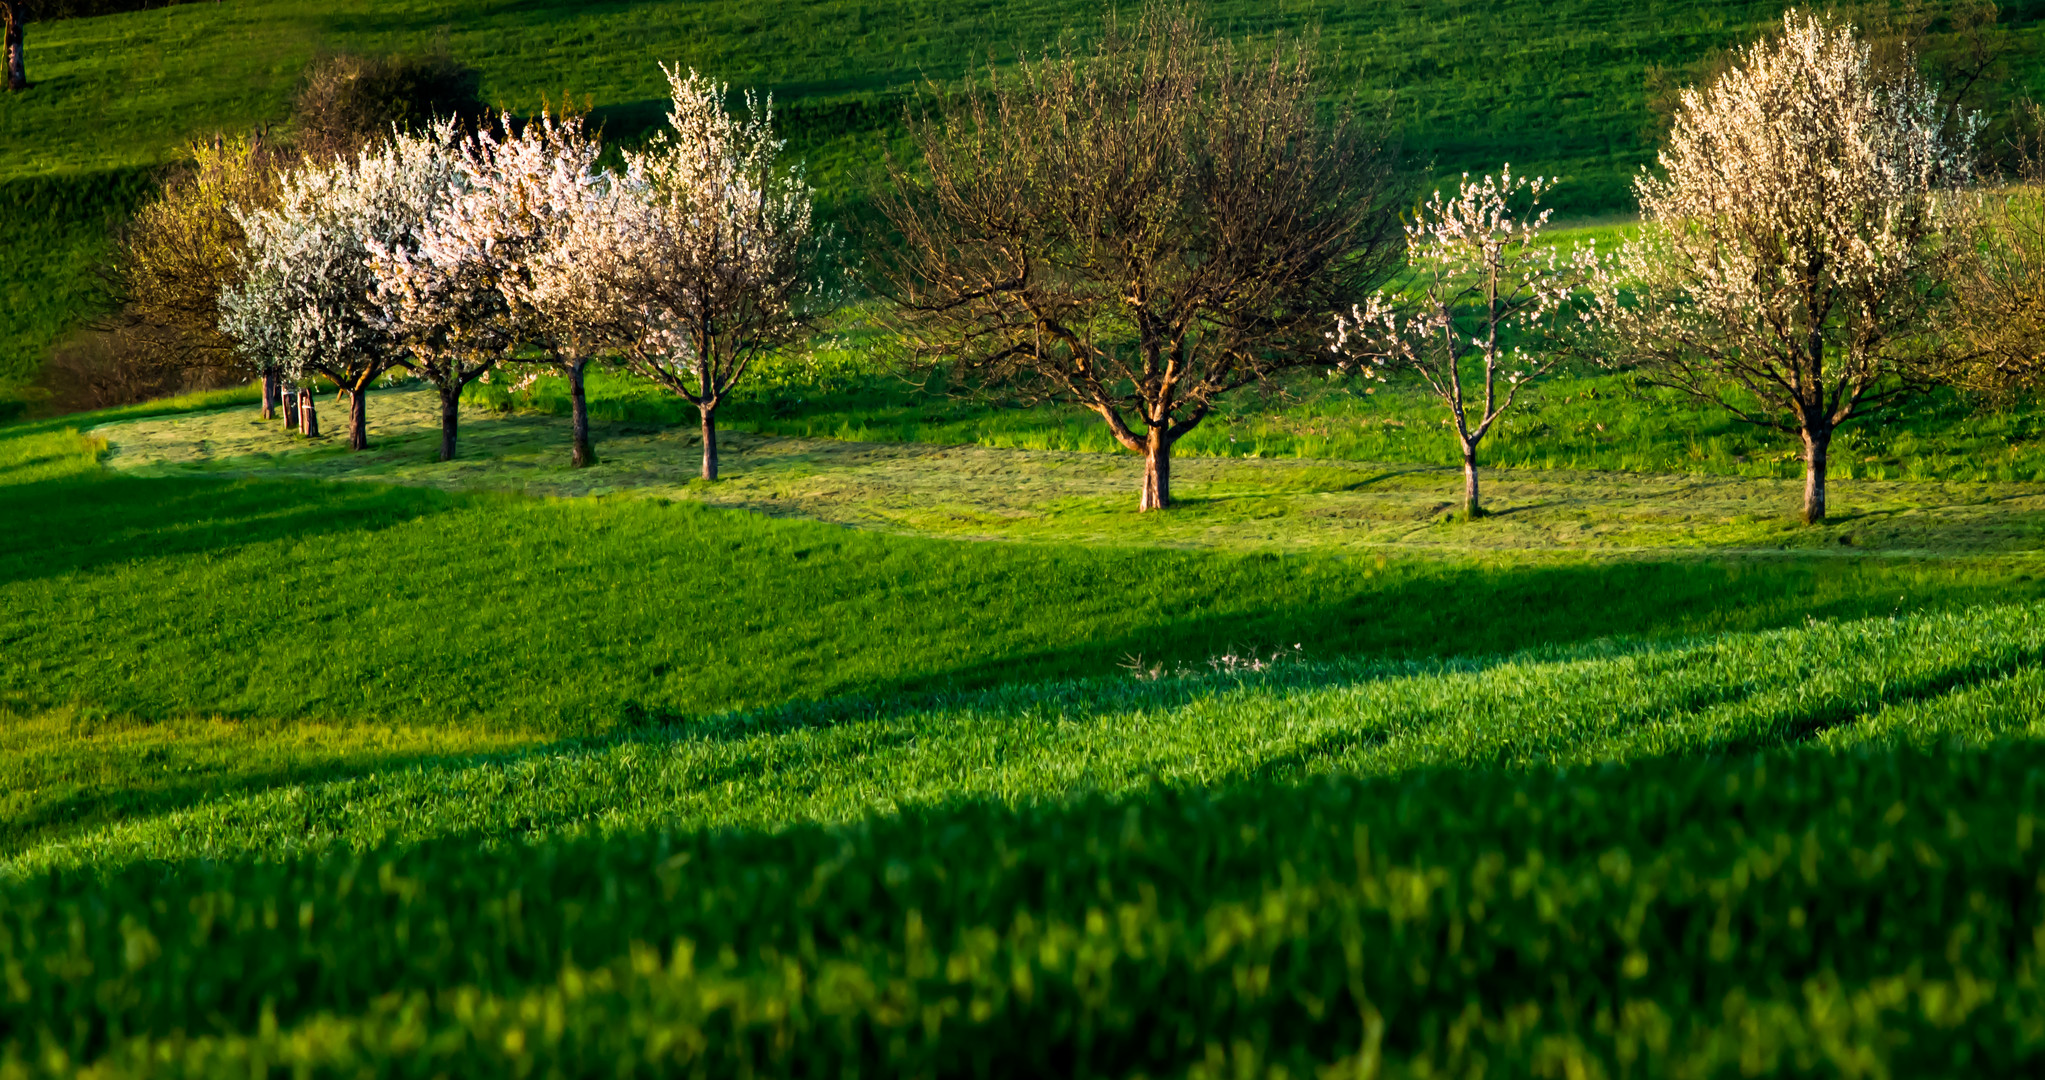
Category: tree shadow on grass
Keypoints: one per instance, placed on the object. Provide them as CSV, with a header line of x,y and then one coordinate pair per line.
x,y
75,525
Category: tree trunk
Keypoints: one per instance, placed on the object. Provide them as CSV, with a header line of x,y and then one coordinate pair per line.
x,y
450,418
291,421
1472,507
269,394
17,64
358,420
581,456
709,440
1157,473
308,414
1817,443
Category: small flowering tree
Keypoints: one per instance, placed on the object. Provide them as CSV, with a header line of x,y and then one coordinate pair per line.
x,y
1478,282
715,238
309,292
1790,250
460,292
561,238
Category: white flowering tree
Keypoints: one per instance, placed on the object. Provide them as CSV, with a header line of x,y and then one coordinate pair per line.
x,y
1789,248
309,293
562,241
717,242
437,285
1478,286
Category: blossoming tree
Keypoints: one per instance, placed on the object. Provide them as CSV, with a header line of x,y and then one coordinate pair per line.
x,y
1478,283
309,293
1790,245
561,241
717,249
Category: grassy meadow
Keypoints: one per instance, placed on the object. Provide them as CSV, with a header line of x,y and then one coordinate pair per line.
x,y
907,748
889,757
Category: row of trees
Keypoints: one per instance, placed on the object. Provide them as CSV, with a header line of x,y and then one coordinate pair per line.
x,y
1146,226
446,254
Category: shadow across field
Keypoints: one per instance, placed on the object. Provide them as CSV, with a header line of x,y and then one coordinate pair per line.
x,y
1928,680
981,492
81,525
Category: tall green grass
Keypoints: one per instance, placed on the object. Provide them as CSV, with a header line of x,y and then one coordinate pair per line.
x,y
1572,861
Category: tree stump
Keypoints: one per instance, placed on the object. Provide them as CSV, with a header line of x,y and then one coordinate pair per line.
x,y
290,414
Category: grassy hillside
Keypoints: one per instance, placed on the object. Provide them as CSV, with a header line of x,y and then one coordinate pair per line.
x,y
1552,87
439,778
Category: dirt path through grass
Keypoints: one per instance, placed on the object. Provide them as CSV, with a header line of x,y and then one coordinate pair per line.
x,y
989,493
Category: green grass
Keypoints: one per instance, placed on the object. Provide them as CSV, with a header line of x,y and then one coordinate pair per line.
x,y
326,762
1558,88
1545,859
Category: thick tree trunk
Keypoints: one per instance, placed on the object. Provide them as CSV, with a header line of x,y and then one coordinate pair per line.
x,y
358,420
17,62
1157,473
269,394
308,414
709,441
581,456
1817,444
291,422
450,419
1473,508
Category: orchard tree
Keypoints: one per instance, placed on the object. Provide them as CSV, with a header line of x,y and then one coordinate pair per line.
x,y
1790,248
309,293
170,264
1138,230
1477,287
14,16
556,221
1994,331
721,250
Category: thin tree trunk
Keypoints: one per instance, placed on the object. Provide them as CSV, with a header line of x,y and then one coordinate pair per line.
x,y
1473,508
450,419
17,62
709,440
581,456
1817,443
269,394
308,414
1157,473
358,420
291,421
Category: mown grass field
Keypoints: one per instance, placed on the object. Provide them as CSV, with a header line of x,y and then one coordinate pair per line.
x,y
320,763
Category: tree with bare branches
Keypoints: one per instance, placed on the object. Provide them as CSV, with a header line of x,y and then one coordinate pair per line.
x,y
1993,332
1790,249
1478,284
1138,229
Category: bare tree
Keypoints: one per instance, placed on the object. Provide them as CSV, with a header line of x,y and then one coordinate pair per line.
x,y
14,16
1994,336
1139,229
724,252
1789,251
1477,278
